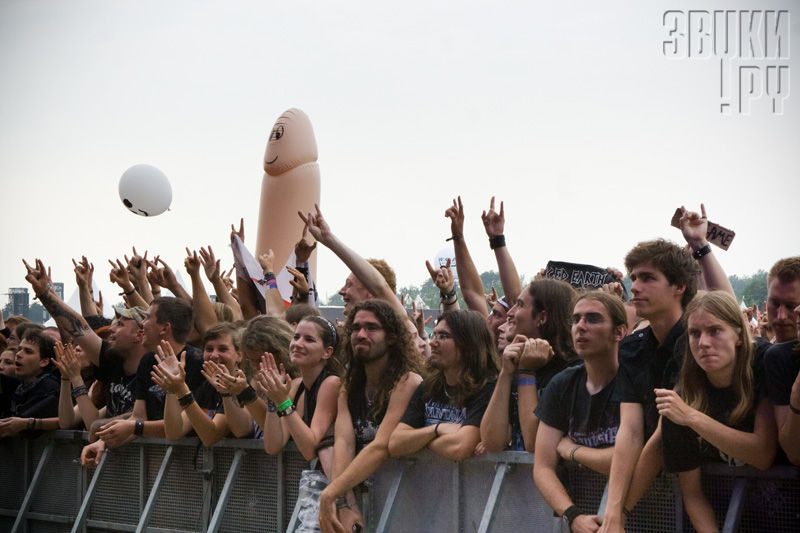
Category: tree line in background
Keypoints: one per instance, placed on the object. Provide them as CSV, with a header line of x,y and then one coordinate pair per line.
x,y
750,289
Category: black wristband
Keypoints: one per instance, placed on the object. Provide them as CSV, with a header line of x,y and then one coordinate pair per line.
x,y
455,237
570,514
498,241
186,400
247,396
447,295
700,252
138,429
794,409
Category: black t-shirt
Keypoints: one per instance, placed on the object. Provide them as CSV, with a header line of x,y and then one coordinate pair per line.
x,y
37,399
365,424
423,411
121,386
588,419
781,366
153,395
644,366
685,450
543,377
7,387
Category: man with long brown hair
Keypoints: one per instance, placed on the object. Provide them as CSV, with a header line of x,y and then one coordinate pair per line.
x,y
446,410
383,371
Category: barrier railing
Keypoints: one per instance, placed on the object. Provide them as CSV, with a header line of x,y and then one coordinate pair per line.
x,y
161,486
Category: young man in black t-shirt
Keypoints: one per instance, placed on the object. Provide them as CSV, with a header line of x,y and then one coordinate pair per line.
x,y
578,419
664,279
446,410
782,361
168,319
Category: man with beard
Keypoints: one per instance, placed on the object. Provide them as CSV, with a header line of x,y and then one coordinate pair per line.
x,y
383,372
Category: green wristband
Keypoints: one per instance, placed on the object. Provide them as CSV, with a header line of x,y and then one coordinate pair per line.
x,y
284,404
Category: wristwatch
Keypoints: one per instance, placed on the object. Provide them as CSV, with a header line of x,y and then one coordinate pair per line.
x,y
570,514
286,412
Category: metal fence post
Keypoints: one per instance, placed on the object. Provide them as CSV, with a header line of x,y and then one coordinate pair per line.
x,y
83,512
491,502
20,522
151,500
216,519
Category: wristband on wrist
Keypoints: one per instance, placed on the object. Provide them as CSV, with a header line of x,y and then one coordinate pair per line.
x,y
525,372
285,404
271,407
31,423
525,380
455,237
498,241
78,391
128,293
156,292
138,429
794,409
341,503
186,400
572,453
436,430
247,396
570,514
700,252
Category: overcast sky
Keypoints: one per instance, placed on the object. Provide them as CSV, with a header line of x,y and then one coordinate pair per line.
x,y
574,116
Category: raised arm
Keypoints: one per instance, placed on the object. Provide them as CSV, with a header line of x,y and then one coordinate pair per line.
x,y
494,223
366,273
119,275
468,278
202,309
70,322
83,277
694,227
443,279
137,270
272,296
211,265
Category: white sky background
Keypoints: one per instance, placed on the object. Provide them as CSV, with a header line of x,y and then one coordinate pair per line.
x,y
574,117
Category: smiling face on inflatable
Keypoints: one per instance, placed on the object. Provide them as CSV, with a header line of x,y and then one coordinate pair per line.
x,y
291,143
145,190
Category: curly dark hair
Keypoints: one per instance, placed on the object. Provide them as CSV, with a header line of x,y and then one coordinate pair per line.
x,y
403,358
475,344
675,262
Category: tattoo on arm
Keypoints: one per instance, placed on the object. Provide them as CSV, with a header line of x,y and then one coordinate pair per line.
x,y
65,318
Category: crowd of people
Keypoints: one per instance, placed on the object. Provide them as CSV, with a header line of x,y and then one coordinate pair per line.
x,y
666,378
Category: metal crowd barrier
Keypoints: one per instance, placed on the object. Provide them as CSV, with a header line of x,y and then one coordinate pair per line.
x,y
160,486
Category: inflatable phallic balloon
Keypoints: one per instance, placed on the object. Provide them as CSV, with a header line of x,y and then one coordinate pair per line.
x,y
290,184
145,190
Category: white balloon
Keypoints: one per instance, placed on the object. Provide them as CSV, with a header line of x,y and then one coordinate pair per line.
x,y
441,260
145,190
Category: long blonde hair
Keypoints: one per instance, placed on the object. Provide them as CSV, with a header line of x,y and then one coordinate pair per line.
x,y
694,383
